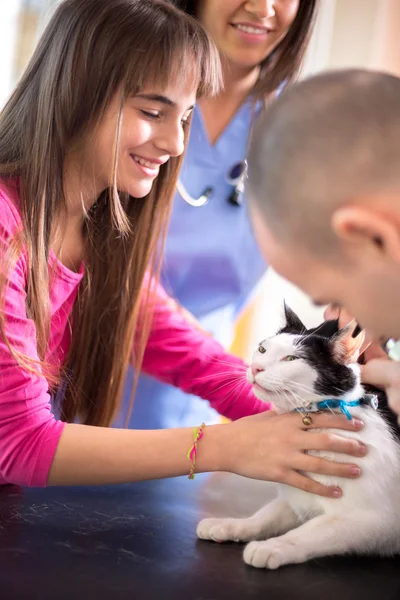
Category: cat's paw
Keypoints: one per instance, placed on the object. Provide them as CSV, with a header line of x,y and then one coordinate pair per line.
x,y
223,530
271,554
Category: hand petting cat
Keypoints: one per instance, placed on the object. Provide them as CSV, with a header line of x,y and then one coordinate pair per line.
x,y
282,453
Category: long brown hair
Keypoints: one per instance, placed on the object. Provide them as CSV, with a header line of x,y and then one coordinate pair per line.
x,y
91,50
284,62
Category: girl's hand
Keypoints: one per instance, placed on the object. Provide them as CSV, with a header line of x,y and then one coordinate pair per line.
x,y
274,447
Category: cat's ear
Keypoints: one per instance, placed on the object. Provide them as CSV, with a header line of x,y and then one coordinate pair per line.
x,y
292,320
346,348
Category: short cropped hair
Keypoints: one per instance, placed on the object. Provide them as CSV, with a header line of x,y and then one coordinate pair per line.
x,y
324,141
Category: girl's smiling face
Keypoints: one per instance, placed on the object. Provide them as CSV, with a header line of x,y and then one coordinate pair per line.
x,y
152,130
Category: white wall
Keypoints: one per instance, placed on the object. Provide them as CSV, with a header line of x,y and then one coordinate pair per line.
x,y
353,33
8,33
319,50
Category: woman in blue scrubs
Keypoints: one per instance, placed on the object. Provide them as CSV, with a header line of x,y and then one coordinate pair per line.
x,y
212,264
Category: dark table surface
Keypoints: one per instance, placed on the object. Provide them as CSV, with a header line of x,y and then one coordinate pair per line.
x,y
138,541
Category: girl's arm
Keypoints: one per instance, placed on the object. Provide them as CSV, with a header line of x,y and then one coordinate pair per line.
x,y
97,455
266,446
29,433
180,353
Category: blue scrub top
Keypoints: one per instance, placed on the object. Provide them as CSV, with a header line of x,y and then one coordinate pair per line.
x,y
211,265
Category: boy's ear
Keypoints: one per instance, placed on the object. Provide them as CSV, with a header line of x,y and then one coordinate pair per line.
x,y
369,228
346,348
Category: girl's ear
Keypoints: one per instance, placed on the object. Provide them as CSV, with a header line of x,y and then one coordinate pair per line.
x,y
292,320
346,348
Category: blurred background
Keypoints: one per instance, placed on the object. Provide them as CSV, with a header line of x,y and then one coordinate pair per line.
x,y
349,33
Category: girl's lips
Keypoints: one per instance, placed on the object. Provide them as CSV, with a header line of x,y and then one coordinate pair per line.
x,y
146,170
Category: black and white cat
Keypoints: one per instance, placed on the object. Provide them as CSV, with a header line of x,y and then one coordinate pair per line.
x,y
297,369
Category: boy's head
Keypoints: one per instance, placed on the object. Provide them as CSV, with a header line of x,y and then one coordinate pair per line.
x,y
324,190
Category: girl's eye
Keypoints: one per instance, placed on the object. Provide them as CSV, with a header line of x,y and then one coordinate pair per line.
x,y
156,115
289,358
151,115
261,349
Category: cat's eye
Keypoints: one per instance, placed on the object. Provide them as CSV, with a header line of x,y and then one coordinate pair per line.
x,y
289,358
261,349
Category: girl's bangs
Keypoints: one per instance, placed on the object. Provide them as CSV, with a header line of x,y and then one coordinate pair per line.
x,y
174,62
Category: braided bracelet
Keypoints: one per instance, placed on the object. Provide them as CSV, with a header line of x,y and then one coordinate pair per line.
x,y
198,433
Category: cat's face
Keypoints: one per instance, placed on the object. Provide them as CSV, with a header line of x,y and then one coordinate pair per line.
x,y
298,366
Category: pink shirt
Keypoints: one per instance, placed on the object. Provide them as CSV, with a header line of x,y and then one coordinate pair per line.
x,y
177,353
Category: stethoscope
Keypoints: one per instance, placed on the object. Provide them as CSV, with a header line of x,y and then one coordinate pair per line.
x,y
235,177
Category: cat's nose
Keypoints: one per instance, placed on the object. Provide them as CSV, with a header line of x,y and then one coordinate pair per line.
x,y
256,369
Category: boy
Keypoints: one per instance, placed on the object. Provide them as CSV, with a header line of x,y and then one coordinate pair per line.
x,y
324,193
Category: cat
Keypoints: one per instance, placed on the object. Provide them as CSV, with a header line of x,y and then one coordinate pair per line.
x,y
292,369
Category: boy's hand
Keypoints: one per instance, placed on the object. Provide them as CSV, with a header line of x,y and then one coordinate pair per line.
x,y
385,374
369,349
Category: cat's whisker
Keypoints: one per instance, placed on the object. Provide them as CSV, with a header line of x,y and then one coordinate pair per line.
x,y
279,388
218,375
229,383
300,399
235,389
314,332
278,384
339,390
287,396
305,388
220,361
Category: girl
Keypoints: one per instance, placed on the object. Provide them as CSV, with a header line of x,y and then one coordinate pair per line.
x,y
216,239
89,155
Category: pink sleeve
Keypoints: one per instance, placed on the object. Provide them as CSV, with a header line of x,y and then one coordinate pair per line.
x,y
180,353
29,433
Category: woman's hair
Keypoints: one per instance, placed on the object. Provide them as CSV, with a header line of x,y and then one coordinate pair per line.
x,y
90,51
284,62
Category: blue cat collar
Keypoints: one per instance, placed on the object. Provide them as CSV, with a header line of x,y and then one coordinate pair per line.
x,y
368,400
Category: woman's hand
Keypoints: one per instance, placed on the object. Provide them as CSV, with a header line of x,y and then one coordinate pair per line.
x,y
274,448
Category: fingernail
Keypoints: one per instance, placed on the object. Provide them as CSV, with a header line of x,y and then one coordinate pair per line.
x,y
358,424
336,492
363,448
355,471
